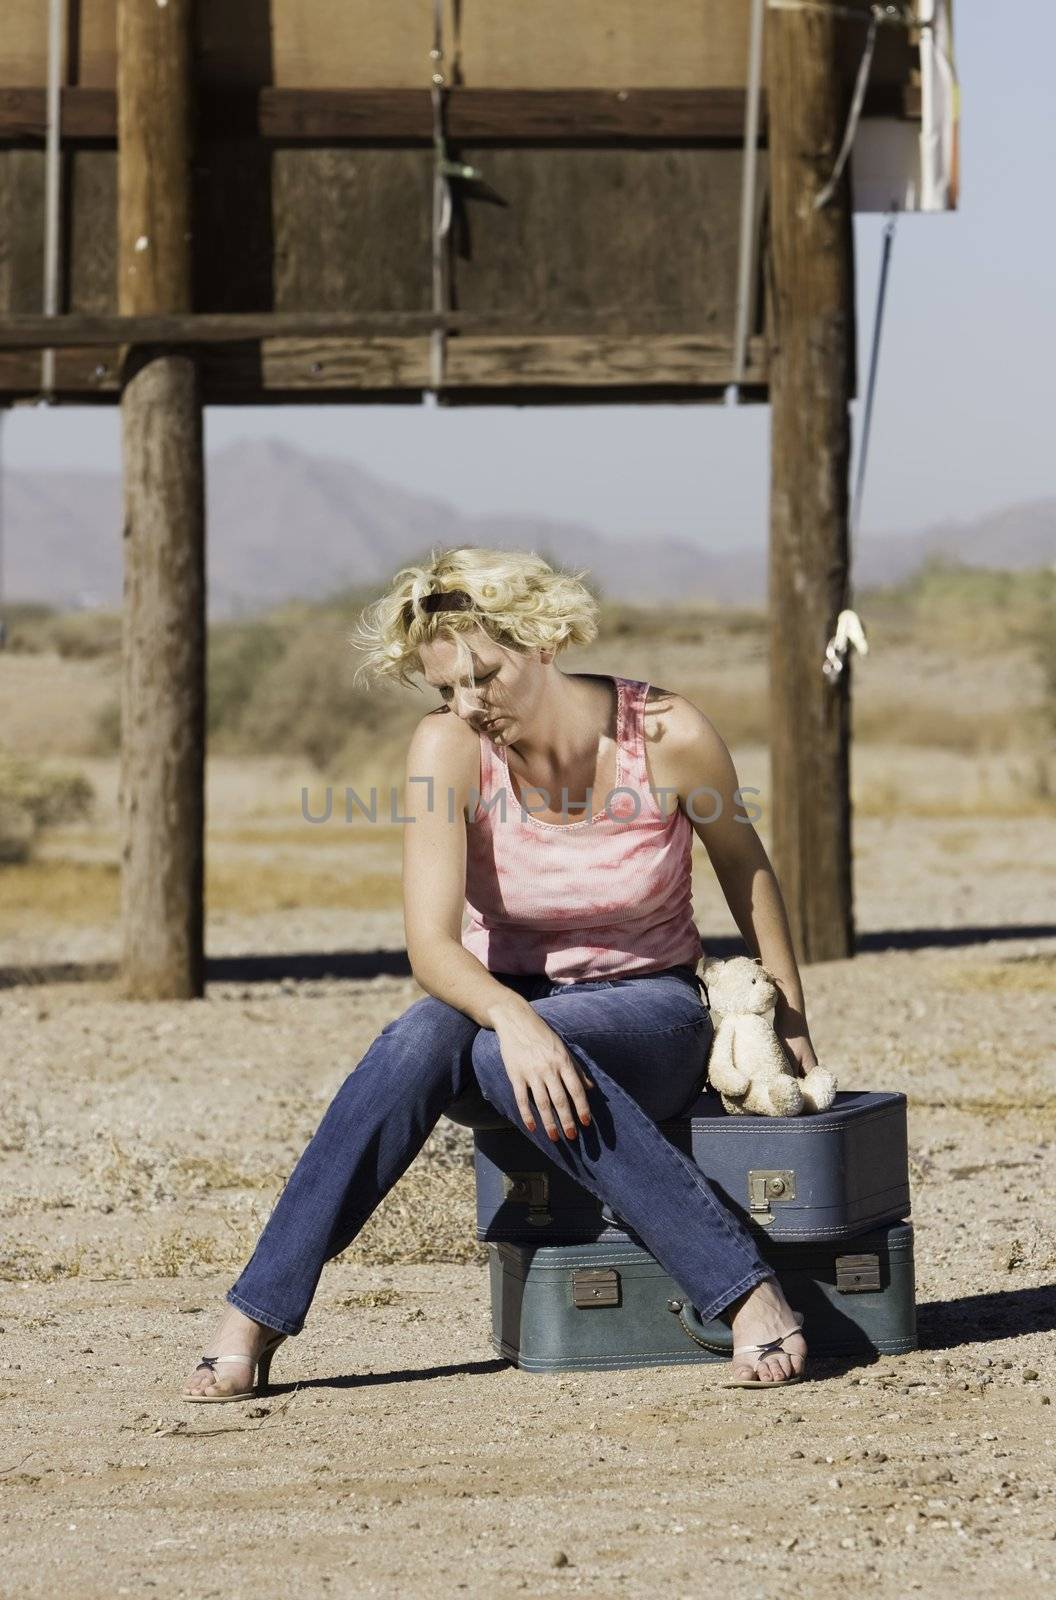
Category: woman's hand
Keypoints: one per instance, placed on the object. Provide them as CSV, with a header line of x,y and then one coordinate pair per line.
x,y
541,1069
790,1026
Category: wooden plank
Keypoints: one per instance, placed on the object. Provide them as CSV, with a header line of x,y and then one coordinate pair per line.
x,y
91,251
35,332
21,231
549,44
508,116
352,229
342,367
811,381
84,113
564,229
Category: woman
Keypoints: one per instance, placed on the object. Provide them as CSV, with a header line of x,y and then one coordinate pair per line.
x,y
572,993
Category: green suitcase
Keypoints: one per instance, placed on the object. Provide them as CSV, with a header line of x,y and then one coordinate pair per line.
x,y
610,1304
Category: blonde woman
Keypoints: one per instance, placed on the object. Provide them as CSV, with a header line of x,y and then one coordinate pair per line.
x,y
559,809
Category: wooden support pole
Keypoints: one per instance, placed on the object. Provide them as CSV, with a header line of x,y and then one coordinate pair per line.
x,y
811,383
163,674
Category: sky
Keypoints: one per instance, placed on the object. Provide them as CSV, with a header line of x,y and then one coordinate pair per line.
x,y
963,421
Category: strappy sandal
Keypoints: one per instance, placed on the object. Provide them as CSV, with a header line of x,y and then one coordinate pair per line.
x,y
261,1368
757,1353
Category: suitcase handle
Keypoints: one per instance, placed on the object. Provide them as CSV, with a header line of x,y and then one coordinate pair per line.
x,y
713,1335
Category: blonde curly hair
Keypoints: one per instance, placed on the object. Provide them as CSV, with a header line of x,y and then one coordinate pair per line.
x,y
519,600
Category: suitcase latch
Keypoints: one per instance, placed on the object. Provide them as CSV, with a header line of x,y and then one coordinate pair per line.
x,y
765,1187
533,1190
855,1274
596,1286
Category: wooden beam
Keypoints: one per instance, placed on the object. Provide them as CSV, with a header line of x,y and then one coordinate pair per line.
x,y
34,332
329,369
503,116
811,382
163,643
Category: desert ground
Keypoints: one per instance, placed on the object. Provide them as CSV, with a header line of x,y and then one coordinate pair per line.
x,y
143,1145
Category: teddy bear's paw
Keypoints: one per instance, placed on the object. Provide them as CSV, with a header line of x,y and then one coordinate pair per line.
x,y
819,1089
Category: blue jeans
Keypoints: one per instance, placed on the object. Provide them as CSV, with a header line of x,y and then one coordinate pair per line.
x,y
643,1040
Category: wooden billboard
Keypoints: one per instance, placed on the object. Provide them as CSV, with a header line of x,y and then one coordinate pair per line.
x,y
595,256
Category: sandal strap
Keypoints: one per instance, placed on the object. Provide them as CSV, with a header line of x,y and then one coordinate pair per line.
x,y
770,1346
211,1361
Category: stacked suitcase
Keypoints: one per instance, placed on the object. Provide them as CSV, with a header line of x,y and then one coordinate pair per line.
x,y
827,1195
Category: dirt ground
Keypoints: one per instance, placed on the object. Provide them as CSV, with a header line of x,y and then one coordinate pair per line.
x,y
143,1145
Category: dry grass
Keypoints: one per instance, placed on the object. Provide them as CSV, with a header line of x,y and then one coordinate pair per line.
x,y
80,893
25,1264
205,1174
1021,975
430,1215
278,886
180,1253
75,893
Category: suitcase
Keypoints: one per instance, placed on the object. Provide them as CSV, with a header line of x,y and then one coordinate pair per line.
x,y
609,1304
823,1176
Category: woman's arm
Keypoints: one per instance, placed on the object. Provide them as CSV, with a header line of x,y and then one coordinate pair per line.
x,y
707,789
443,768
543,1072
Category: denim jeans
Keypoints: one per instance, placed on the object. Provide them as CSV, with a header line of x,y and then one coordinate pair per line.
x,y
644,1042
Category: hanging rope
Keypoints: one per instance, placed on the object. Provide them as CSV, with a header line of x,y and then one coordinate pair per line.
x,y
900,15
850,632
861,83
444,169
52,189
747,247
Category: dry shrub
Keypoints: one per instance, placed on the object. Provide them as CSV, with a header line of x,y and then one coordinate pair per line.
x,y
304,703
24,1264
430,1215
21,1125
178,1253
76,635
32,798
239,656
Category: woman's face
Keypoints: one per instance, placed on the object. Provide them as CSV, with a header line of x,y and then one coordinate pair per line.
x,y
507,683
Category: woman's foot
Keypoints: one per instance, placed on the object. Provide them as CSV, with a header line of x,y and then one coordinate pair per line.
x,y
237,1335
757,1317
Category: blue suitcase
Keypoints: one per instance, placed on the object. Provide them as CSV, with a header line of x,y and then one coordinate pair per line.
x,y
609,1304
825,1176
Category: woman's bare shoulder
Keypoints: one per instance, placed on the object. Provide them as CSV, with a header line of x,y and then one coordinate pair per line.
x,y
667,712
446,748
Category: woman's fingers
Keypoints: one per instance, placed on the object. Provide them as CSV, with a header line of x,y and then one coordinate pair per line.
x,y
524,1105
568,1098
559,1093
574,1080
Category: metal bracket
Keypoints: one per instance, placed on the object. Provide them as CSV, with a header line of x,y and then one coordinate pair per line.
x,y
531,1189
595,1286
857,1274
765,1186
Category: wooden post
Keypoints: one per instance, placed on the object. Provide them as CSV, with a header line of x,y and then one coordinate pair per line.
x,y
811,382
163,674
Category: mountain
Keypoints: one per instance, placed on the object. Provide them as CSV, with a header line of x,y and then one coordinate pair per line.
x,y
284,524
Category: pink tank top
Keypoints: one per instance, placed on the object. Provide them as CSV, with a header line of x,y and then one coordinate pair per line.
x,y
602,897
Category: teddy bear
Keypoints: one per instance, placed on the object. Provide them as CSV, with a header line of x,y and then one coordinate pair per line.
x,y
747,1063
